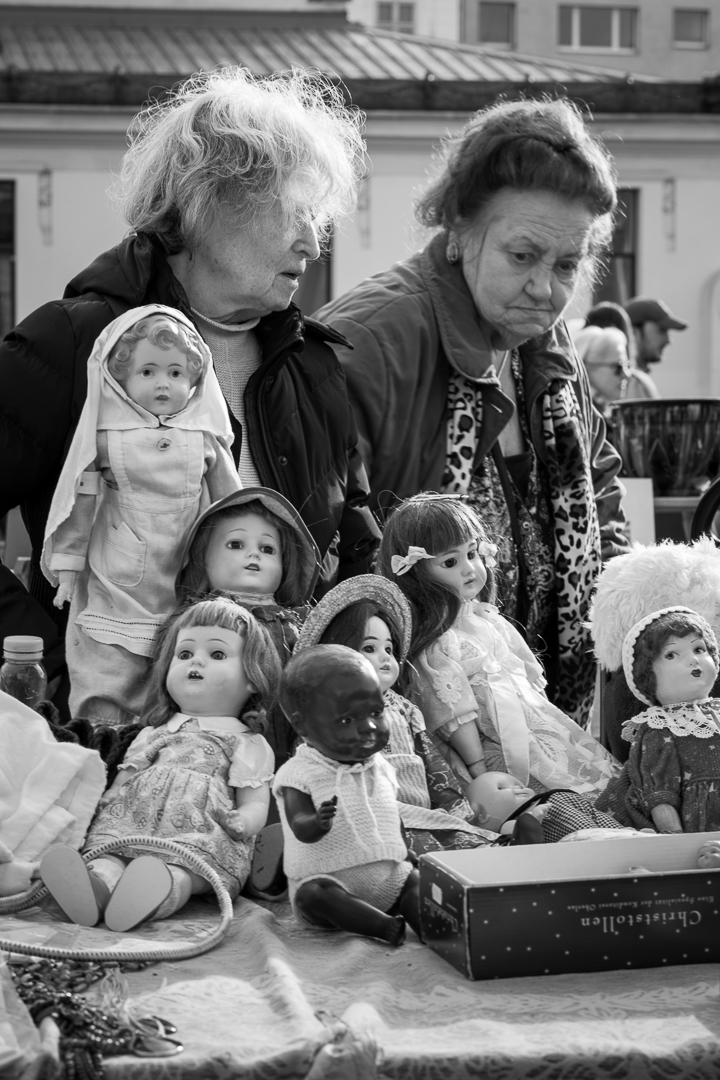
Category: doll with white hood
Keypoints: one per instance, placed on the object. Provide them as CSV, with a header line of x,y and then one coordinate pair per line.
x,y
150,453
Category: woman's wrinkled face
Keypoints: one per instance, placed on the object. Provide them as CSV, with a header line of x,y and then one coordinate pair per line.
x,y
521,260
241,272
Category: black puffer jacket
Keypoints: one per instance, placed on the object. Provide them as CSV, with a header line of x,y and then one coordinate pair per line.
x,y
298,420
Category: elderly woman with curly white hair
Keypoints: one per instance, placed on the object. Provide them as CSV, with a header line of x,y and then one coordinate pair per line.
x,y
228,186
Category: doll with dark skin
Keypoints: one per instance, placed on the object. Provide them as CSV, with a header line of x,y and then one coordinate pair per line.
x,y
345,856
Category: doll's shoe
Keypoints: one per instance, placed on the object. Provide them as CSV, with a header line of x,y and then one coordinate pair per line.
x,y
267,879
145,884
81,894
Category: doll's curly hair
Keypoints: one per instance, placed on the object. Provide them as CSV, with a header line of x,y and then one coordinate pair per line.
x,y
259,656
162,331
652,640
436,523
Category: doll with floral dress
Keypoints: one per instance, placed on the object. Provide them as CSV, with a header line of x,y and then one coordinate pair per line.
x,y
198,774
150,452
671,781
478,685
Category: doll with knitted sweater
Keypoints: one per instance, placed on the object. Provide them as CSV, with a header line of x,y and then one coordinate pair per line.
x,y
344,853
671,780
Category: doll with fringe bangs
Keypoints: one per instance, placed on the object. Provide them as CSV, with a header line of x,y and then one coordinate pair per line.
x,y
478,685
199,774
671,781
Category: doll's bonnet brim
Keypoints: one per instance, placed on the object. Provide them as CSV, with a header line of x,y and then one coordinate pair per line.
x,y
378,590
631,638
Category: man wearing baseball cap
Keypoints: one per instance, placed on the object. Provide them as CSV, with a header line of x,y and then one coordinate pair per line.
x,y
651,320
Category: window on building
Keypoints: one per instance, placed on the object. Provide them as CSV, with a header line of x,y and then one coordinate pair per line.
x,y
619,283
496,24
691,29
7,256
609,29
393,15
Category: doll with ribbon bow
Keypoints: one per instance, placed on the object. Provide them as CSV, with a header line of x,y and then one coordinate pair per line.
x,y
671,781
150,452
478,685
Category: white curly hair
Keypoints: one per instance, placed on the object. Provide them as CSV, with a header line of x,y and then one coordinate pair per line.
x,y
226,140
646,579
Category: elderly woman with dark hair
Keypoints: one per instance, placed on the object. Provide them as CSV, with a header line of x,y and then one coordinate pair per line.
x,y
228,186
463,378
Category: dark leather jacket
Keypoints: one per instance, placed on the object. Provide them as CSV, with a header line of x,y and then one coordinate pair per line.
x,y
298,419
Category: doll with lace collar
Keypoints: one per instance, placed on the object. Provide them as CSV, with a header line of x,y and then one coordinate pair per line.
x,y
670,659
150,452
478,685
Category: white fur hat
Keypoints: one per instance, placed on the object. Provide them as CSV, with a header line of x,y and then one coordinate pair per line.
x,y
647,579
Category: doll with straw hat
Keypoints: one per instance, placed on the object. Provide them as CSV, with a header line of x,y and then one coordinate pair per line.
x,y
671,780
371,615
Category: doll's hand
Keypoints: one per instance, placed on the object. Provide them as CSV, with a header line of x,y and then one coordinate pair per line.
x,y
539,812
66,588
234,824
325,813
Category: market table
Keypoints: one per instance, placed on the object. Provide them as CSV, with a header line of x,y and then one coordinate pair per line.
x,y
264,1003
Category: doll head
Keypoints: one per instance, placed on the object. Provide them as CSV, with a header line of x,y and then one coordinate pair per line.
x,y
495,796
670,656
331,695
157,362
251,542
213,659
366,613
436,549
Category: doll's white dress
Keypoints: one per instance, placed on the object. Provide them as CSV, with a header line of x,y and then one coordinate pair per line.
x,y
183,778
481,671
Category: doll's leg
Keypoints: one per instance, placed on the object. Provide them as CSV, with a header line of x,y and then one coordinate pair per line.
x,y
74,885
408,902
184,885
324,902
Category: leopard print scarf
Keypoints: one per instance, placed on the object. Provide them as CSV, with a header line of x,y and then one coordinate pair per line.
x,y
574,533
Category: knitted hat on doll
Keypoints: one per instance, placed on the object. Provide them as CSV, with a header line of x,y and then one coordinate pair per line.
x,y
370,587
647,579
632,636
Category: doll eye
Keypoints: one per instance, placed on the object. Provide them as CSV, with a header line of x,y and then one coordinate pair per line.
x,y
176,374
472,554
368,649
268,549
184,654
218,654
449,563
147,372
700,649
234,545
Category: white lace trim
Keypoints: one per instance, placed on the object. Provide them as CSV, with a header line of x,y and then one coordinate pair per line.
x,y
698,718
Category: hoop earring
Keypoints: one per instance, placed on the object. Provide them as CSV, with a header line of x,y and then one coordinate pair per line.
x,y
452,251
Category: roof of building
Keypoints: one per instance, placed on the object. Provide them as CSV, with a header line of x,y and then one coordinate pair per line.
x,y
115,56
156,42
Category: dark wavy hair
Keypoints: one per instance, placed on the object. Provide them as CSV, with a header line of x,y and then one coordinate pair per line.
x,y
436,523
652,641
348,627
259,656
541,145
194,579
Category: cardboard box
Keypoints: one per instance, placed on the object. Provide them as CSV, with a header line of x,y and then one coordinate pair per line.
x,y
542,910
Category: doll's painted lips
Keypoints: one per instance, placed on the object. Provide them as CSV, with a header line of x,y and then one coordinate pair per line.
x,y
696,673
194,675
